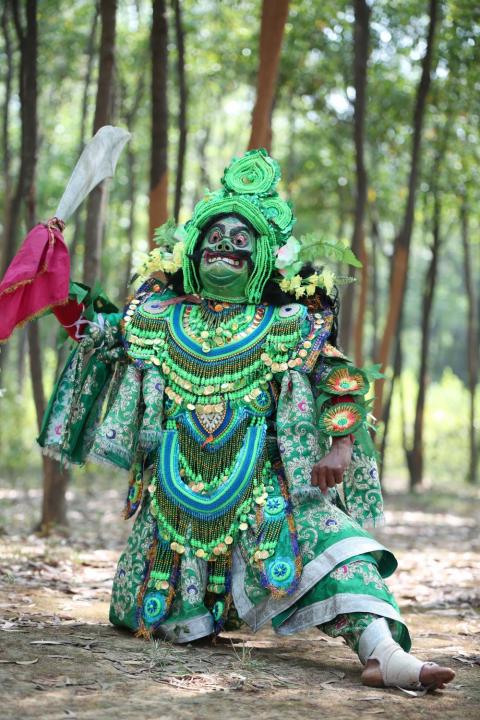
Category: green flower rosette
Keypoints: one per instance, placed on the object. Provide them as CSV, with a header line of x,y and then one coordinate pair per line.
x,y
345,380
341,419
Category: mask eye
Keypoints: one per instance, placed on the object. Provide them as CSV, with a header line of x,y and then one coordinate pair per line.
x,y
240,240
214,236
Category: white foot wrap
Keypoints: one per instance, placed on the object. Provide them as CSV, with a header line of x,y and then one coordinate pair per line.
x,y
372,636
398,668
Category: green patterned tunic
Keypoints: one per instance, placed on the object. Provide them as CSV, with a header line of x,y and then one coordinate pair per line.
x,y
219,412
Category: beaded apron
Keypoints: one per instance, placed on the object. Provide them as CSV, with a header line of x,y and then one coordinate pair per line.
x,y
216,474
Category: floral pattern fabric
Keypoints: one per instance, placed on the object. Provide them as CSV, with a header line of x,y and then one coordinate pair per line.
x,y
302,445
351,626
322,533
116,438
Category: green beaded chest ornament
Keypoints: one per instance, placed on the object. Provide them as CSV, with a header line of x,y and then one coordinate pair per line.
x,y
213,475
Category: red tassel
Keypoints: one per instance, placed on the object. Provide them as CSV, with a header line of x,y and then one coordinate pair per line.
x,y
37,278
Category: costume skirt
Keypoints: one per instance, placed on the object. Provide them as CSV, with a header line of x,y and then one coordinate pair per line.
x,y
343,571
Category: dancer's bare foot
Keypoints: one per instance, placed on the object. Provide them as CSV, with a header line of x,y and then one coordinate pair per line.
x,y
433,677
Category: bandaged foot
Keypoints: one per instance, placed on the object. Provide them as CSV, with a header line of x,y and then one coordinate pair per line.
x,y
390,666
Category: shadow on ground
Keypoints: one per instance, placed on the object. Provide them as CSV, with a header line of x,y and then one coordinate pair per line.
x,y
60,659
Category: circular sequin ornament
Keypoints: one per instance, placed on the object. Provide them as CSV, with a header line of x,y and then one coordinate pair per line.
x,y
134,493
289,310
330,523
274,508
345,381
153,306
153,607
217,610
280,571
341,419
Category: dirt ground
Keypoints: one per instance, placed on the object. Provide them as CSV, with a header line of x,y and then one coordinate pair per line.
x,y
59,657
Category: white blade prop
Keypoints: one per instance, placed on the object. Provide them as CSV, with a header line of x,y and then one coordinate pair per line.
x,y
97,162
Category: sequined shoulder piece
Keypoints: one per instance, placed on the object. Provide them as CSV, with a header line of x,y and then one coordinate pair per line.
x,y
144,322
316,328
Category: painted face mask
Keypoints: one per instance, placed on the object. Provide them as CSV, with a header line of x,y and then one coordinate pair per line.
x,y
248,191
227,257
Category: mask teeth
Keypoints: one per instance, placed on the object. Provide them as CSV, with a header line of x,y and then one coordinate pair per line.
x,y
218,256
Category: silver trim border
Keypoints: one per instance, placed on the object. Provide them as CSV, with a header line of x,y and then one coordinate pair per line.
x,y
257,615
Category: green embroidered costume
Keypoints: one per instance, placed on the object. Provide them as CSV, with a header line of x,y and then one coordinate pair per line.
x,y
220,405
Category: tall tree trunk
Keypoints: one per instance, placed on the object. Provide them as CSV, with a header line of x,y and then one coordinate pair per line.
x,y
360,63
415,455
25,189
274,17
132,198
7,238
158,210
96,203
130,114
374,299
399,264
24,192
8,251
182,110
55,477
90,52
473,341
53,503
397,371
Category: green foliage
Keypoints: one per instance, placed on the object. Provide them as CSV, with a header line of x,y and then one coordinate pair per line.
x,y
313,141
164,236
446,430
316,248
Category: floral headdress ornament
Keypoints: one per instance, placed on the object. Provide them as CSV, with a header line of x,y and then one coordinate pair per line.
x,y
249,189
317,250
168,256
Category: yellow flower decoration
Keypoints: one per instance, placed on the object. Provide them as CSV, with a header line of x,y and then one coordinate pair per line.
x,y
327,279
301,287
178,252
162,260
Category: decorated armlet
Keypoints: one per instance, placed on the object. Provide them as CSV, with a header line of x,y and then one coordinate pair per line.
x,y
341,389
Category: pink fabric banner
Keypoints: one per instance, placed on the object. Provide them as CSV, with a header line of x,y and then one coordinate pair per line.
x,y
36,279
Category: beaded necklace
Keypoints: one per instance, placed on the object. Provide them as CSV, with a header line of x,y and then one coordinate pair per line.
x,y
213,478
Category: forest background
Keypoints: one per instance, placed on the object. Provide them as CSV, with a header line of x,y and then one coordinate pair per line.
x,y
372,110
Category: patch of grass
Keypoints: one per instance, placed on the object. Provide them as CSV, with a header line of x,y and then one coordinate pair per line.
x,y
245,660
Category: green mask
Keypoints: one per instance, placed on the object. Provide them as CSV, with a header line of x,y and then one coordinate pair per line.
x,y
228,248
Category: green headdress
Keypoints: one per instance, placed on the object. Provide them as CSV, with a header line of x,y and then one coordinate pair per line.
x,y
249,189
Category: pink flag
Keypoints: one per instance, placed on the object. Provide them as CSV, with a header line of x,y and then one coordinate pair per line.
x,y
36,279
